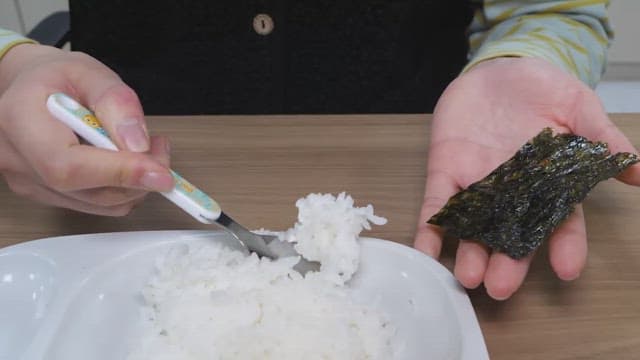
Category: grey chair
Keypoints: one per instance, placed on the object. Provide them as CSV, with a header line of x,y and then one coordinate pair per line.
x,y
53,30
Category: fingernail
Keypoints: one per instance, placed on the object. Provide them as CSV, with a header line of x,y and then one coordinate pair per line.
x,y
133,135
157,181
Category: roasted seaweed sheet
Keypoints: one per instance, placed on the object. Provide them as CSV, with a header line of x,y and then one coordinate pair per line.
x,y
518,205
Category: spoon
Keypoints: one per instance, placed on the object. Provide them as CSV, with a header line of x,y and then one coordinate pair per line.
x,y
184,194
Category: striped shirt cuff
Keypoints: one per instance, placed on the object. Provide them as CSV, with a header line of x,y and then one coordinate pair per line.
x,y
573,34
9,39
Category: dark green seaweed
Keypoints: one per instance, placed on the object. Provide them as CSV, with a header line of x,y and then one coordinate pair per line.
x,y
519,204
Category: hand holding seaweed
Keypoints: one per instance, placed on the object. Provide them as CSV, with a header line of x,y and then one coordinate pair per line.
x,y
518,205
482,119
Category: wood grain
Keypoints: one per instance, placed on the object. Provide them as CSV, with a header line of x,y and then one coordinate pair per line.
x,y
256,167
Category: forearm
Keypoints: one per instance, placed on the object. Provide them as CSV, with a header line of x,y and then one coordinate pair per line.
x,y
572,34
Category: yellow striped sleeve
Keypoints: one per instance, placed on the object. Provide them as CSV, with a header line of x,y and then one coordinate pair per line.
x,y
574,34
9,39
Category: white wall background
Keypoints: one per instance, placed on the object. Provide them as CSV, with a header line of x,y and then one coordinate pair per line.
x,y
9,18
22,15
625,18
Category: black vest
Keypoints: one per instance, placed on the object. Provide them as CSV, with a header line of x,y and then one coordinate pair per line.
x,y
323,56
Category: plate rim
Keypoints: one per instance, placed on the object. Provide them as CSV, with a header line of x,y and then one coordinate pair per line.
x,y
473,344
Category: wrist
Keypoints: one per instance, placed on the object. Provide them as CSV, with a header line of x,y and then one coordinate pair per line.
x,y
15,59
491,62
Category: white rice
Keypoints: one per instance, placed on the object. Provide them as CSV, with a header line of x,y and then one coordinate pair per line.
x,y
210,302
327,231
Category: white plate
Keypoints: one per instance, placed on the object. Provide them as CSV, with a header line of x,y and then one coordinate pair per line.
x,y
78,297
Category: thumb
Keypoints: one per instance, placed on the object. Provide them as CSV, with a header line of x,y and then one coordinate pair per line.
x,y
439,188
594,123
114,103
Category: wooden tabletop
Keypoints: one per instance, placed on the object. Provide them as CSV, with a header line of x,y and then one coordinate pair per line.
x,y
256,167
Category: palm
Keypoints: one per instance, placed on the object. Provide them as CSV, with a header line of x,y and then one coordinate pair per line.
x,y
480,121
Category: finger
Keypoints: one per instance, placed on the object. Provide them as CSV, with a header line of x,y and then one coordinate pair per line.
x,y
22,177
15,164
439,188
36,192
59,200
505,275
568,246
161,150
472,259
107,196
596,125
82,167
111,196
11,161
53,152
114,103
